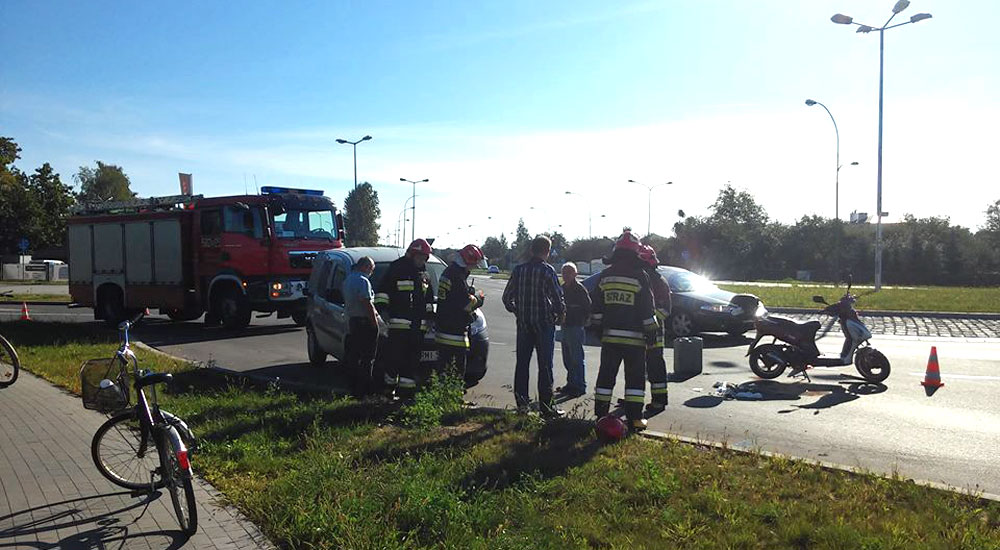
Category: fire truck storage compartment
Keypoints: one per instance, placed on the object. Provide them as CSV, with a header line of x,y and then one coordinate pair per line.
x,y
143,256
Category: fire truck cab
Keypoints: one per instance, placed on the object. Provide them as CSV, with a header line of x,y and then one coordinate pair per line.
x,y
185,255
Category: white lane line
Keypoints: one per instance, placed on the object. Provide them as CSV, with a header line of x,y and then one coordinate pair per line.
x,y
961,376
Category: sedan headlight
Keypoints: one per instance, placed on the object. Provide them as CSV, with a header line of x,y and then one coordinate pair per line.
x,y
717,308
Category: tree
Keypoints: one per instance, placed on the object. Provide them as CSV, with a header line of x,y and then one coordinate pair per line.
x,y
54,200
521,240
361,213
495,249
19,210
105,183
993,217
584,250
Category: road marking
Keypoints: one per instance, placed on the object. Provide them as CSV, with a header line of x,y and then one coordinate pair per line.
x,y
962,376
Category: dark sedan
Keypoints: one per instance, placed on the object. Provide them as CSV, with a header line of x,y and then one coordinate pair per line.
x,y
700,306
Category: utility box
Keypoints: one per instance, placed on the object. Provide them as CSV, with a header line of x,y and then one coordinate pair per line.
x,y
687,356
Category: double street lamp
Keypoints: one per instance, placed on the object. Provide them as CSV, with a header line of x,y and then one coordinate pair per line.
x,y
355,144
413,216
842,19
649,206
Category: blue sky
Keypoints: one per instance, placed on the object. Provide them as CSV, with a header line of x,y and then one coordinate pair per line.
x,y
506,105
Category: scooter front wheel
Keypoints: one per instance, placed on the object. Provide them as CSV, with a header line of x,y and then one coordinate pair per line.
x,y
768,361
872,364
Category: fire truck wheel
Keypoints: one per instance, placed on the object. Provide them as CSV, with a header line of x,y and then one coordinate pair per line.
x,y
234,308
111,305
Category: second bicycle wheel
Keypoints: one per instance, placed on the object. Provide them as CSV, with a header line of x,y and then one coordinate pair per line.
x,y
9,364
177,478
122,456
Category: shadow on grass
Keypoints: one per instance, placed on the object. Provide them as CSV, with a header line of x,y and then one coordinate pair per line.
x,y
44,333
551,451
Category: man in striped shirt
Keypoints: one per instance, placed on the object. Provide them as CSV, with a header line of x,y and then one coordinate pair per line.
x,y
534,296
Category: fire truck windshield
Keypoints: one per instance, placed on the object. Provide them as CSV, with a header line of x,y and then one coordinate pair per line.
x,y
305,224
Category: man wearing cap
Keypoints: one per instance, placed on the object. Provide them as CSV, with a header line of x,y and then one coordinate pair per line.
x,y
402,300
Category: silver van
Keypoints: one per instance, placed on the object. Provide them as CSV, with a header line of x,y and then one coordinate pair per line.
x,y
326,322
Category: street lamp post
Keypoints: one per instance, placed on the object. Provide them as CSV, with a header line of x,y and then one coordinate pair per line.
x,y
355,145
404,223
649,206
590,227
413,216
836,207
842,19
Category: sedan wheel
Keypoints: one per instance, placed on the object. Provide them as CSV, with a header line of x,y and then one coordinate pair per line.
x,y
681,324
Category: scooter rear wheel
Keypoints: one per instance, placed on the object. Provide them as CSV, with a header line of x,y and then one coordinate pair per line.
x,y
763,361
872,364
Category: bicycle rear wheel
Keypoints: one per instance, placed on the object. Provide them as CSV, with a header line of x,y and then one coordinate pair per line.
x,y
176,470
124,454
9,364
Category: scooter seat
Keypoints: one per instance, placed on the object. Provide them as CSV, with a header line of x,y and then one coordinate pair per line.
x,y
806,331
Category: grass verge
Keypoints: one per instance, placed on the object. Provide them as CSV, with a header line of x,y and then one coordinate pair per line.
x,y
52,298
931,298
320,473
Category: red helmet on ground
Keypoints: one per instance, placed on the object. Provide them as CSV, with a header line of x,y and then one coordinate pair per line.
x,y
648,255
472,256
610,428
420,246
628,241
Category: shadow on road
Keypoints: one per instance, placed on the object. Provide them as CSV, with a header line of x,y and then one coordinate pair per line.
x,y
848,388
108,520
157,332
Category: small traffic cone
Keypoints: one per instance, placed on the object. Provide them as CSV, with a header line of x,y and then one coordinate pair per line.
x,y
933,377
24,312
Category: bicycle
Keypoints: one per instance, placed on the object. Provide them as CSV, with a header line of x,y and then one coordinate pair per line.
x,y
121,446
9,363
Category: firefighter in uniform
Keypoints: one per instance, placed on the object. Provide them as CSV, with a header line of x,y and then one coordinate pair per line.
x,y
456,303
402,300
656,367
623,308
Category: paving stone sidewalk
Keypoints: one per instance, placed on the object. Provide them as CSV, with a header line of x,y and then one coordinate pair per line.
x,y
54,497
922,326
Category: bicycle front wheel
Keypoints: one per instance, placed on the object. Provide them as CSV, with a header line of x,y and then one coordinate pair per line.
x,y
177,475
9,364
125,453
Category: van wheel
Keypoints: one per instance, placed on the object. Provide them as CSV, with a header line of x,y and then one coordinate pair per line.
x,y
299,317
234,309
317,357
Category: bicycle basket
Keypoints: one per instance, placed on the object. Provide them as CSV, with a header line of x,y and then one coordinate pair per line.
x,y
105,400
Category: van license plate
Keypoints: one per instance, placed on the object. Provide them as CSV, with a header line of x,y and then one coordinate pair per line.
x,y
431,355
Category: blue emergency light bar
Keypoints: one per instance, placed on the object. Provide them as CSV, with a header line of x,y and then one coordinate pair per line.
x,y
287,190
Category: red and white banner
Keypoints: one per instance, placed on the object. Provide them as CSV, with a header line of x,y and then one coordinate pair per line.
x,y
186,186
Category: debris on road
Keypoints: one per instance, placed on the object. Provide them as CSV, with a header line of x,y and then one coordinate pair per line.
x,y
728,390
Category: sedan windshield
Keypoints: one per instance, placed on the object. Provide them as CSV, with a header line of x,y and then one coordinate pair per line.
x,y
690,282
305,224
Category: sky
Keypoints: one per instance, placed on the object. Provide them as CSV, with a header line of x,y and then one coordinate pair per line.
x,y
506,106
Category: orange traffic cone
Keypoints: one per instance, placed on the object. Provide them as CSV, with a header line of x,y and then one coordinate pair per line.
x,y
933,377
24,312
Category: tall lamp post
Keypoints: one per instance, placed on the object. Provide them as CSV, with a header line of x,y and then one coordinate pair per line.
x,y
649,207
590,226
405,220
355,145
836,208
413,216
842,19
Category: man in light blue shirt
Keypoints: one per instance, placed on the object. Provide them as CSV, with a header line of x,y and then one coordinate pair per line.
x,y
361,343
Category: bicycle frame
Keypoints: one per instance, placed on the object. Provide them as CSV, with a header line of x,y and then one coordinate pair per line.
x,y
151,421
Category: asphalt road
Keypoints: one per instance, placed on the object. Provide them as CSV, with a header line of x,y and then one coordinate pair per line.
x,y
951,437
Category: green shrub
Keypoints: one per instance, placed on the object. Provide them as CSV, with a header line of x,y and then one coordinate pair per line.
x,y
439,398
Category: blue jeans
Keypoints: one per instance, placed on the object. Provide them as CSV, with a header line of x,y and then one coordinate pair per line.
x,y
572,353
540,338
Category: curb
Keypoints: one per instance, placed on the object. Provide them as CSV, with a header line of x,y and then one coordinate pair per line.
x,y
664,436
890,313
35,303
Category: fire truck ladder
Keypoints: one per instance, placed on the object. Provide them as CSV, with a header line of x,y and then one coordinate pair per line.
x,y
136,205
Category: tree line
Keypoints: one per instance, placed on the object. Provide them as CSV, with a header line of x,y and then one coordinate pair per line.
x,y
737,240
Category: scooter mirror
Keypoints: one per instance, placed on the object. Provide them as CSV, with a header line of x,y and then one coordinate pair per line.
x,y
819,299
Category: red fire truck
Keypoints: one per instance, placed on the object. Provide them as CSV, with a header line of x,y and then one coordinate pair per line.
x,y
186,255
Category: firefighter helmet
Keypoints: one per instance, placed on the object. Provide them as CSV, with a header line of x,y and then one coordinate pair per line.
x,y
629,242
648,255
472,256
420,246
610,428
